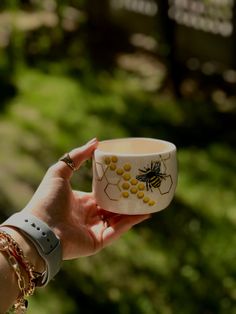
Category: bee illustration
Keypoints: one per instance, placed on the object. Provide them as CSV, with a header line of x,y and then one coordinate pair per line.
x,y
152,175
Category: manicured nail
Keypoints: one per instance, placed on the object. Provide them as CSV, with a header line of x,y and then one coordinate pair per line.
x,y
91,142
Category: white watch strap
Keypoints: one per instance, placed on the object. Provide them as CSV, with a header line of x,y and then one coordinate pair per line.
x,y
44,239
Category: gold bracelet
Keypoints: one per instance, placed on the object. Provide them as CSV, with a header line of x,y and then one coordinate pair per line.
x,y
16,258
21,304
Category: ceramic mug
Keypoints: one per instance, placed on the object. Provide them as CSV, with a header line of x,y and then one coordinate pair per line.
x,y
134,175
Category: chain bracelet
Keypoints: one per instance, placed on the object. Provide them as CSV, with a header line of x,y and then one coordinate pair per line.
x,y
16,258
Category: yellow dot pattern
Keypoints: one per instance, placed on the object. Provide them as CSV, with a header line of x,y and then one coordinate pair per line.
x,y
114,159
140,194
112,167
119,171
146,199
134,181
126,176
133,185
111,162
125,194
127,167
141,186
107,160
130,186
125,186
133,190
151,203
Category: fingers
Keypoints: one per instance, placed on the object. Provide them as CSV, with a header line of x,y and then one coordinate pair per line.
x,y
119,224
78,156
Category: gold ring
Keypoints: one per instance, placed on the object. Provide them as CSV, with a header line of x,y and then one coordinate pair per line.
x,y
70,163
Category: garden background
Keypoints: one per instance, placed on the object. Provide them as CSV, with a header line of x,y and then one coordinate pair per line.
x,y
67,75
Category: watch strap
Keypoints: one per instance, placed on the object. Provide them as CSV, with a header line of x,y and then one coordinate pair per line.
x,y
44,239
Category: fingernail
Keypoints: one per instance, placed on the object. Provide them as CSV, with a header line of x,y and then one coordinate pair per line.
x,y
92,141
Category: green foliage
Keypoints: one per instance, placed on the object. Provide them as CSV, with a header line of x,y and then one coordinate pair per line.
x,y
186,250
180,261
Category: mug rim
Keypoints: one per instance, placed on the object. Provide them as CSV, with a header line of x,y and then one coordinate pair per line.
x,y
170,147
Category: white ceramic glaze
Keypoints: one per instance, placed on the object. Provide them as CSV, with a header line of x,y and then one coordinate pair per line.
x,y
134,175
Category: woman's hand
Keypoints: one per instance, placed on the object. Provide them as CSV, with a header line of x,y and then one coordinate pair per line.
x,y
74,216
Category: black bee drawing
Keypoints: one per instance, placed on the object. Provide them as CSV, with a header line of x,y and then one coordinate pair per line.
x,y
152,176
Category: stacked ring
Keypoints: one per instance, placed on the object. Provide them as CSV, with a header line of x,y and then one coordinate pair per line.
x,y
69,161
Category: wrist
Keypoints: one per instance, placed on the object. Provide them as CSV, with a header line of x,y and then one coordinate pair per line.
x,y
43,237
27,247
18,269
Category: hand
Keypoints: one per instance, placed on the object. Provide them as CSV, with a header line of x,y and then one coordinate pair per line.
x,y
74,216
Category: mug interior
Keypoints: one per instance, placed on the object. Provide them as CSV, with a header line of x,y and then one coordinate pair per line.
x,y
135,146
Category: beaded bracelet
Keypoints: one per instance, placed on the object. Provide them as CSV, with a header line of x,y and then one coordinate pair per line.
x,y
16,258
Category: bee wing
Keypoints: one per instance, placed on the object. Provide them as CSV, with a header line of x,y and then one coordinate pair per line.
x,y
157,165
141,177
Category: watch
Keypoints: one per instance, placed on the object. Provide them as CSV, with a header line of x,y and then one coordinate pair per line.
x,y
46,242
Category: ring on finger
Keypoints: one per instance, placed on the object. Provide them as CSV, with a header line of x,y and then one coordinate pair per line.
x,y
69,161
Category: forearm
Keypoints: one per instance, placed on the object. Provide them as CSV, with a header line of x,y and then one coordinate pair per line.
x,y
9,290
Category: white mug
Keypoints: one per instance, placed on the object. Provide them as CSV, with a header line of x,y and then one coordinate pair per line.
x,y
134,175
